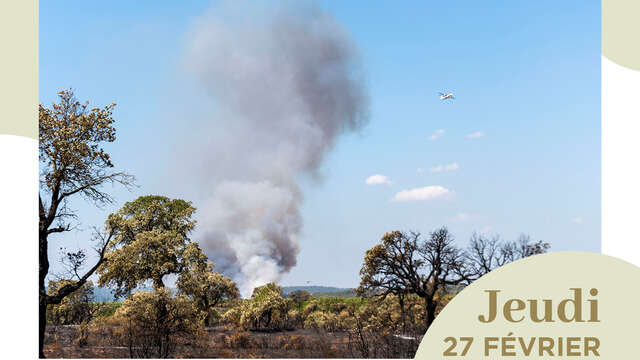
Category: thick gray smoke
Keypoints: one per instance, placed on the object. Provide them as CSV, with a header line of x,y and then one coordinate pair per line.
x,y
286,84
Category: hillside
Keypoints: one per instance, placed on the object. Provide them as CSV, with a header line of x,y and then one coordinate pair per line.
x,y
105,295
321,291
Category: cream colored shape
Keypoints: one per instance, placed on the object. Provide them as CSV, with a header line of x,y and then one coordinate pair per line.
x,y
548,276
19,68
621,31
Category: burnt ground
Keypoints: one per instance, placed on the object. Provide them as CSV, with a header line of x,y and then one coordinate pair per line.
x,y
63,342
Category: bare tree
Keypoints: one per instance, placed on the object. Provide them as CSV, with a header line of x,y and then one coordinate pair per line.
x,y
72,163
444,260
405,264
486,254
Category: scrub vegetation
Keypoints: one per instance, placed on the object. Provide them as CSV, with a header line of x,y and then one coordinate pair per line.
x,y
406,278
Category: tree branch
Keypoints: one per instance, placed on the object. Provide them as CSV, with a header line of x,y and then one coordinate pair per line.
x,y
58,229
71,287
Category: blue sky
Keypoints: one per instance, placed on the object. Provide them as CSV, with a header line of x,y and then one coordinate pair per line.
x,y
526,75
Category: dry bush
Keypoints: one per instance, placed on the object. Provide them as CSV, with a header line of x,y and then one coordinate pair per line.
x,y
294,320
222,340
262,342
315,320
82,335
360,329
240,340
293,342
226,354
152,324
311,307
231,318
320,347
55,345
377,329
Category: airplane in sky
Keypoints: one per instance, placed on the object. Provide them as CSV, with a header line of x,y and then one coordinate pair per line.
x,y
446,96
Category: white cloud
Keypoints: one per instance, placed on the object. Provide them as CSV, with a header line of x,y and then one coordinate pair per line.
x,y
577,220
420,170
421,194
436,134
475,135
448,167
378,180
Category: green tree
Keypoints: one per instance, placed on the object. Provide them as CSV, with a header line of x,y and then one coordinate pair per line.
x,y
72,163
206,287
265,310
299,297
150,241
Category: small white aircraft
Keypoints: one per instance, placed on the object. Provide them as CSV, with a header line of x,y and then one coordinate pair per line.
x,y
446,96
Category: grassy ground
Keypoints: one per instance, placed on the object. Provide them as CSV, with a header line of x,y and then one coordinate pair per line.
x,y
105,308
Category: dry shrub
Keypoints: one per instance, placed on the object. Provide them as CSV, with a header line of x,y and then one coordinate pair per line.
x,y
55,346
311,307
82,336
152,324
264,342
293,342
374,329
315,320
320,347
294,320
231,318
226,354
222,340
240,340
197,346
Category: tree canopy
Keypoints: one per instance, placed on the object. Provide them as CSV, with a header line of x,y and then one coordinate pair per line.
x,y
265,310
206,287
151,239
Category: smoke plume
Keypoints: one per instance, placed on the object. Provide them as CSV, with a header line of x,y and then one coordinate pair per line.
x,y
287,83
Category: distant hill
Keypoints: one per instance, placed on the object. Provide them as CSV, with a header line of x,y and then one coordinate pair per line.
x,y
321,291
102,294
105,295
